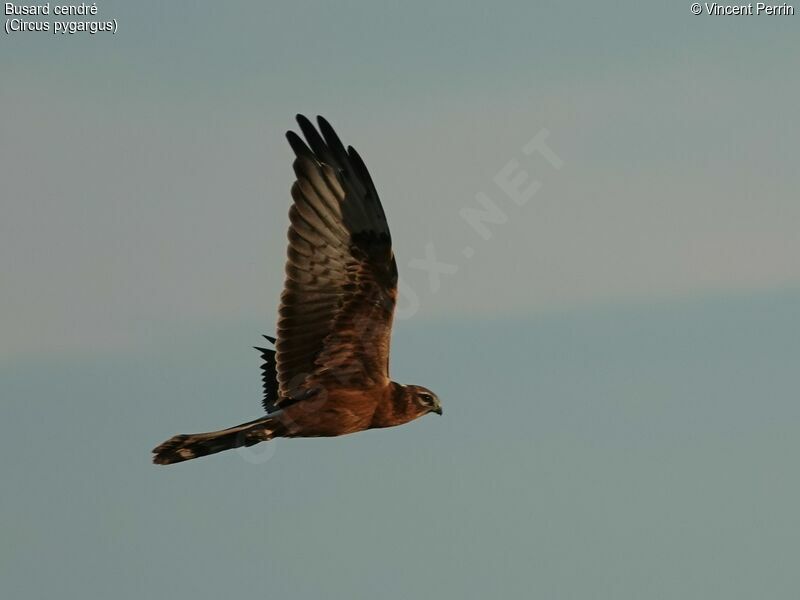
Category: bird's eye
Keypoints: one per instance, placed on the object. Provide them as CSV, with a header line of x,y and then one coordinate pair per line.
x,y
426,398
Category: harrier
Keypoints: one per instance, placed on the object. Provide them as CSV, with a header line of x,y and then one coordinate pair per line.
x,y
328,374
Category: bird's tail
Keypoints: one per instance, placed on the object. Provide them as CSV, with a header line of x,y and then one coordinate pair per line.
x,y
188,446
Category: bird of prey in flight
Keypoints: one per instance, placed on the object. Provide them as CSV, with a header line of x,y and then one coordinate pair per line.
x,y
328,374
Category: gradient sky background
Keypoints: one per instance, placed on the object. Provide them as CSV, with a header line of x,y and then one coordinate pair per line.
x,y
618,363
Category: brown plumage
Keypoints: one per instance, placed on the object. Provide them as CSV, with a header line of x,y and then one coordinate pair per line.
x,y
329,372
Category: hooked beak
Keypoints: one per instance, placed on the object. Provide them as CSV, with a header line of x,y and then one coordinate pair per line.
x,y
437,409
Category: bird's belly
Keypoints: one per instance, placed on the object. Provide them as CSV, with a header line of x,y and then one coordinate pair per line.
x,y
327,418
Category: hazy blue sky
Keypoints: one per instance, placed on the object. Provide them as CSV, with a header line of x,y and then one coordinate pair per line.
x,y
617,361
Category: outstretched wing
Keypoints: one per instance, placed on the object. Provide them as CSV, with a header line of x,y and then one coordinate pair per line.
x,y
335,317
269,377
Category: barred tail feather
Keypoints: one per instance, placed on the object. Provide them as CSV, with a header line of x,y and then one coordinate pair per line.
x,y
188,446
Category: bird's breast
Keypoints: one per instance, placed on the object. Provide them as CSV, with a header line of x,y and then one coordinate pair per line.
x,y
338,412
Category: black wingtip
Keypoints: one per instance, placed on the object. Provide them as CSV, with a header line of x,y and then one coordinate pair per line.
x,y
298,145
269,338
302,120
323,122
329,133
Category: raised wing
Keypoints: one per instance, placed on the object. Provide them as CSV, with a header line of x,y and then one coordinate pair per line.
x,y
269,377
336,311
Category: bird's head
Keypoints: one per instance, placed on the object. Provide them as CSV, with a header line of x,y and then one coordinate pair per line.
x,y
424,399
